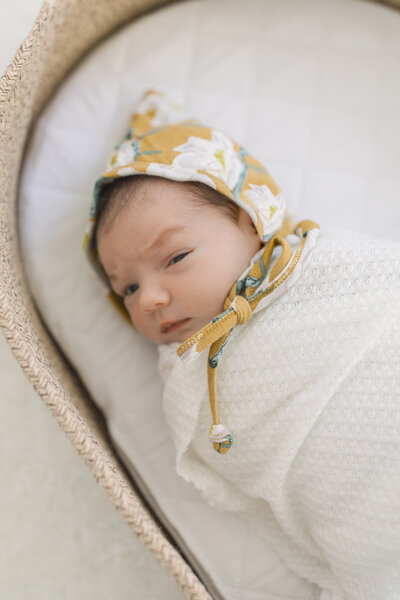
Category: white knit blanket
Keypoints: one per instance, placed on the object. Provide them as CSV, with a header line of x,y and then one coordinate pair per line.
x,y
310,390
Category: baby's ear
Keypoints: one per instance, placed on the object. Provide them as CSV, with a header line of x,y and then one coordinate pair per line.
x,y
244,221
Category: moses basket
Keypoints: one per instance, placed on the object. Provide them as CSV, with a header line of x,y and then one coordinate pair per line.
x,y
65,30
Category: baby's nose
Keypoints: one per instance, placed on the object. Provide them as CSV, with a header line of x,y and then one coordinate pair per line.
x,y
152,297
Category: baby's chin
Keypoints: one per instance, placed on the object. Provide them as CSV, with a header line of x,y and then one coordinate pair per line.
x,y
191,328
186,335
174,337
181,335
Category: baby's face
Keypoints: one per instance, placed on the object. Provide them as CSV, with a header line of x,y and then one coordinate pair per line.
x,y
174,261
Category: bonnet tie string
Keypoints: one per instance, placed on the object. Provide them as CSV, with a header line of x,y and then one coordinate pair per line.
x,y
248,295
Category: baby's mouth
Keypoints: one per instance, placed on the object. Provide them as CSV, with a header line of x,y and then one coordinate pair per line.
x,y
171,326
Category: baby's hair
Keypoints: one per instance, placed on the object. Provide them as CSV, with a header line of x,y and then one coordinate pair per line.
x,y
115,196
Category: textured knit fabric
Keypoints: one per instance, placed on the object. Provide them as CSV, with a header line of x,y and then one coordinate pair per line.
x,y
310,388
262,283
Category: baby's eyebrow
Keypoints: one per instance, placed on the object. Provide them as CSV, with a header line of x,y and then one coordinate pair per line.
x,y
163,236
159,241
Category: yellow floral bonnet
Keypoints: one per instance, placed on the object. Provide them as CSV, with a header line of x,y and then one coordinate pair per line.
x,y
162,140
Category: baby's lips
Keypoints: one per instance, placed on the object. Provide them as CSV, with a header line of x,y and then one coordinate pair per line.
x,y
168,326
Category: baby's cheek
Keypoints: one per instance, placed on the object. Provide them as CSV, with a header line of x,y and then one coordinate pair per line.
x,y
134,316
216,285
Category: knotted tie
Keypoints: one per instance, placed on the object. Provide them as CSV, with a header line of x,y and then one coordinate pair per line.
x,y
248,295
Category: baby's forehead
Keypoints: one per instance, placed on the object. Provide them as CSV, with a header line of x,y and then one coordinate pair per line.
x,y
149,203
160,198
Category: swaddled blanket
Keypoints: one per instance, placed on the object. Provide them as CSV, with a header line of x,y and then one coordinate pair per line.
x,y
310,389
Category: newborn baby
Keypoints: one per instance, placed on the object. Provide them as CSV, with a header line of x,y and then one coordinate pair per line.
x,y
172,251
187,231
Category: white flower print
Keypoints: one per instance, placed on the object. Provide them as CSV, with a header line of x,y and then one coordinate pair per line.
x,y
122,156
216,156
178,174
270,208
166,112
124,171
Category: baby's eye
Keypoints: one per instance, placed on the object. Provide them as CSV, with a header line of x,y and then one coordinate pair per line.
x,y
130,289
178,258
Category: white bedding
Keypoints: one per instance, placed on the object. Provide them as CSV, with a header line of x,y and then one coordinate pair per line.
x,y
310,89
